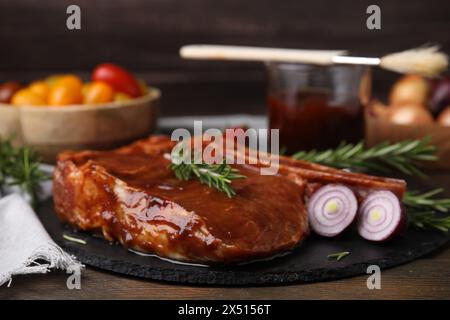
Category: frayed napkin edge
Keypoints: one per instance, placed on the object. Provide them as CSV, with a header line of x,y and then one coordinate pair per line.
x,y
55,257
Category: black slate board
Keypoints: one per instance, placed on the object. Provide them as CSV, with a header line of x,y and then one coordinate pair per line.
x,y
307,263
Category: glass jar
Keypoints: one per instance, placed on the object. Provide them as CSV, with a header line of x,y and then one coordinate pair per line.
x,y
317,107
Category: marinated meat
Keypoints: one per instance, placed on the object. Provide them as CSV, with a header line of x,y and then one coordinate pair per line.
x,y
131,195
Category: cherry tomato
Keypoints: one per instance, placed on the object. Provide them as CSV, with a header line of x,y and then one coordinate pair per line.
x,y
98,92
119,97
70,80
40,87
7,91
118,78
85,88
26,97
143,86
66,90
51,80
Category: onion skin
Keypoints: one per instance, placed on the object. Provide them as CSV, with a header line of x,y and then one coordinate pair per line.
x,y
444,117
331,209
381,217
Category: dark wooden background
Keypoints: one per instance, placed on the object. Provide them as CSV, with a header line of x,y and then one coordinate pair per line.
x,y
145,35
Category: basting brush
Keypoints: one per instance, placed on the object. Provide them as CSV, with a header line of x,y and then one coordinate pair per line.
x,y
427,61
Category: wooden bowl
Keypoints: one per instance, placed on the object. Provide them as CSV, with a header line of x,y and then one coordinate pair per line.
x,y
50,130
379,130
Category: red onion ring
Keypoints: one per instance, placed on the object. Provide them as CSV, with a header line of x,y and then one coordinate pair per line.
x,y
332,209
380,216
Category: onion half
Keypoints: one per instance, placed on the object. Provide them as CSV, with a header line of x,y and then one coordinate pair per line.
x,y
332,209
380,216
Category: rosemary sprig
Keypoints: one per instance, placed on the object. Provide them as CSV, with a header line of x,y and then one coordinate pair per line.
x,y
73,239
384,157
426,202
218,176
423,210
338,256
429,220
20,167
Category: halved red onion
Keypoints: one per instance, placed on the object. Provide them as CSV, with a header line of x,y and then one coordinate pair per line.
x,y
380,216
332,209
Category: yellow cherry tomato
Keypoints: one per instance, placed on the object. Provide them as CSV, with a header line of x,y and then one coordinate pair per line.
x,y
66,91
85,88
98,92
40,87
51,80
119,97
26,97
70,80
143,86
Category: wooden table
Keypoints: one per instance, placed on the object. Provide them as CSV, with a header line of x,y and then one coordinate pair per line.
x,y
427,278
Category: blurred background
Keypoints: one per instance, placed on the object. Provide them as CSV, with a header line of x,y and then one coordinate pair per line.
x,y
145,36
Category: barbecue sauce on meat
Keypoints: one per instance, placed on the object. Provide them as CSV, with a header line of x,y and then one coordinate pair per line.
x,y
265,217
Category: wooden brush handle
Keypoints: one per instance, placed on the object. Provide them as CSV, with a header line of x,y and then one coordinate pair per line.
x,y
218,52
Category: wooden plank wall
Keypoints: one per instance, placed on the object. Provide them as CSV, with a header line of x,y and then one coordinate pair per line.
x,y
145,35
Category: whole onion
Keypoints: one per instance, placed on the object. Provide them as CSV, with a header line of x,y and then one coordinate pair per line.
x,y
410,89
380,216
444,117
410,114
332,209
440,95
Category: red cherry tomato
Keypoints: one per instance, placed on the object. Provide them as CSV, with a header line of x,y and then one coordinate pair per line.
x,y
118,78
7,91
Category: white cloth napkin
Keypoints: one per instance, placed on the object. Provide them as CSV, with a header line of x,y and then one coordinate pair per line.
x,y
25,246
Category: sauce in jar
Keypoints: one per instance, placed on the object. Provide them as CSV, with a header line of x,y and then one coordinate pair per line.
x,y
312,120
